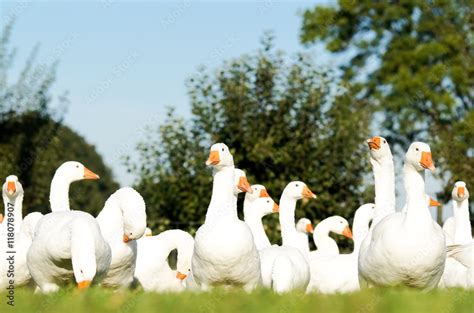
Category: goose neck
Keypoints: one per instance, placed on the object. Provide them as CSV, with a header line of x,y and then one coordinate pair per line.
x,y
256,227
417,209
384,179
287,218
462,233
222,202
59,194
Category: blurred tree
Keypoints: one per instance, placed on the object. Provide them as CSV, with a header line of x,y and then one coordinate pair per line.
x,y
33,141
282,120
415,60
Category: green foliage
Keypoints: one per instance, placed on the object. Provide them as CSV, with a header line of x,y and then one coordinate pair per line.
x,y
418,57
33,141
283,120
394,300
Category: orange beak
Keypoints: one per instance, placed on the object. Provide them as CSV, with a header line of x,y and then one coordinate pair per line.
x,y
264,194
11,187
181,276
126,238
309,228
214,158
433,202
374,143
461,192
347,232
88,174
244,185
308,193
1,218
276,208
83,284
426,161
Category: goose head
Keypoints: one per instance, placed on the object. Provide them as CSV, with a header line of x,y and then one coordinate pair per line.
x,y
339,225
304,226
220,156
298,190
379,147
365,212
241,184
262,203
460,192
73,171
84,272
134,213
419,157
12,188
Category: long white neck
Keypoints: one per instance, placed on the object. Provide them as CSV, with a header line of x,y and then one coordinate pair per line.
x,y
256,226
287,221
360,229
462,233
417,209
59,194
223,203
321,238
384,177
14,207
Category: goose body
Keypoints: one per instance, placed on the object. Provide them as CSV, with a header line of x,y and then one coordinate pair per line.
x,y
153,271
224,249
406,248
67,245
122,221
22,243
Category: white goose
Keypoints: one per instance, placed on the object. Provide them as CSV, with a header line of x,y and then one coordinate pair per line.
x,y
338,273
285,268
12,192
122,221
464,255
64,176
224,249
304,227
257,205
406,248
153,271
326,245
67,244
461,210
456,273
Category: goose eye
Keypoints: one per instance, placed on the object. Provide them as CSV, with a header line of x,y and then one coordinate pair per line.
x,y
268,201
384,141
417,149
296,185
77,166
222,149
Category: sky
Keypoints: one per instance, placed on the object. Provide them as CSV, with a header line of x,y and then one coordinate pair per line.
x,y
124,63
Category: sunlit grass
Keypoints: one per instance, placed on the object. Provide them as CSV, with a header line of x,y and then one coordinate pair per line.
x,y
373,300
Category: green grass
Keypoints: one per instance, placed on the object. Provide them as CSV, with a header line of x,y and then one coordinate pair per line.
x,y
372,300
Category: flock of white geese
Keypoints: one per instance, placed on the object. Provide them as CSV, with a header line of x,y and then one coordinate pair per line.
x,y
117,250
